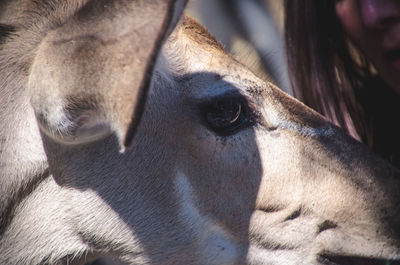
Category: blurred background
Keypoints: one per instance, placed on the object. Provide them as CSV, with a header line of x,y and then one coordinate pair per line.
x,y
252,31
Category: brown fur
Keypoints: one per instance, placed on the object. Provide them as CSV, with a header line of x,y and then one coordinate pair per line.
x,y
200,35
285,187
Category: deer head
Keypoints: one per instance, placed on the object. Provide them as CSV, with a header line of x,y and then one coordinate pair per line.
x,y
223,168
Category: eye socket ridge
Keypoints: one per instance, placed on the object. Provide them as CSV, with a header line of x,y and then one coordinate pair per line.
x,y
227,114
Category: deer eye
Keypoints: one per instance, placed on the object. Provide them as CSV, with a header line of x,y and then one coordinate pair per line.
x,y
227,115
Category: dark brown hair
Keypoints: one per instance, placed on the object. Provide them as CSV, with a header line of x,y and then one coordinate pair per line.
x,y
325,69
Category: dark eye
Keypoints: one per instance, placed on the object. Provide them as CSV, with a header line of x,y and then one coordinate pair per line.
x,y
227,115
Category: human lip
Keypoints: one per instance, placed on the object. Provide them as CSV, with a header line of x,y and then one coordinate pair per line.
x,y
394,58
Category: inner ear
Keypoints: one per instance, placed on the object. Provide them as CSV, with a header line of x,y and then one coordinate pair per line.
x,y
86,119
70,119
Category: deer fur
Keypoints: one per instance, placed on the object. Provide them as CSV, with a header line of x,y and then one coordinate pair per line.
x,y
81,178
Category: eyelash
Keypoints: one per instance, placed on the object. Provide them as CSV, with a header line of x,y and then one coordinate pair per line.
x,y
228,115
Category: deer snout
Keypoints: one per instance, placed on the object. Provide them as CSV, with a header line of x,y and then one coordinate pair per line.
x,y
354,198
338,217
324,198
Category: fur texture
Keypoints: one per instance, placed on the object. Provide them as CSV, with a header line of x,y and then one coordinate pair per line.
x,y
282,187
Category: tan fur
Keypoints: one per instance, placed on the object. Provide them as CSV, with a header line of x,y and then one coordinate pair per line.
x,y
200,35
288,188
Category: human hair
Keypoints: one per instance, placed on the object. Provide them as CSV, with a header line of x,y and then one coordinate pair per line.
x,y
326,70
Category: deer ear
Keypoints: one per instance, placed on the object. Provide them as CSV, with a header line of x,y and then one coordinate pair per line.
x,y
91,76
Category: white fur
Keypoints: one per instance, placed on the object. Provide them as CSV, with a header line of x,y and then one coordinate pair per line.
x,y
214,242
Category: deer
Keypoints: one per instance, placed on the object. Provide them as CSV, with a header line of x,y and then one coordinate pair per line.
x,y
127,132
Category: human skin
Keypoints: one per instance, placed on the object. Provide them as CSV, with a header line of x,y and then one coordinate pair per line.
x,y
374,27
